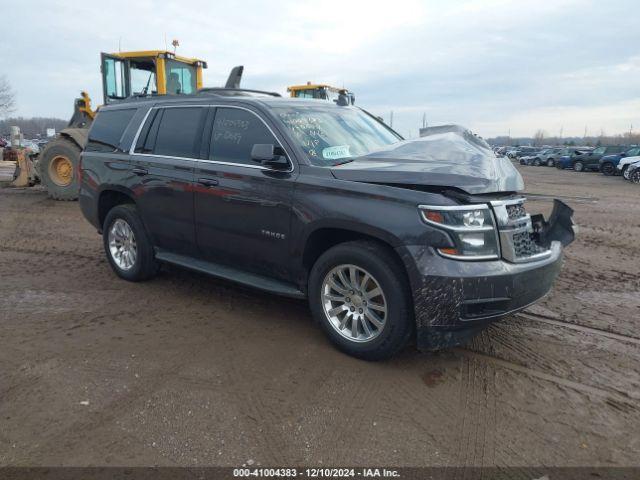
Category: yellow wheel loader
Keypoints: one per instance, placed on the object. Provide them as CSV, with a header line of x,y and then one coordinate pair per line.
x,y
124,75
323,92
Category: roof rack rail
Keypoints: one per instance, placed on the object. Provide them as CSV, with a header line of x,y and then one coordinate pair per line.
x,y
236,92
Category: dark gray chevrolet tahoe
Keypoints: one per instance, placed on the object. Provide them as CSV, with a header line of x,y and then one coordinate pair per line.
x,y
391,240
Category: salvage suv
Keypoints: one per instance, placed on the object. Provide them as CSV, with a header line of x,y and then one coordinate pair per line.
x,y
389,239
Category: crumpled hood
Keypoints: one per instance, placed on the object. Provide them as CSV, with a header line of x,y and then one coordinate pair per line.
x,y
450,158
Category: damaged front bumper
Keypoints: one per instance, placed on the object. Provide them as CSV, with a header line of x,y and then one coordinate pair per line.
x,y
455,300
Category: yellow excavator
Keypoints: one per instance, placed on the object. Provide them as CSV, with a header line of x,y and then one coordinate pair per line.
x,y
124,75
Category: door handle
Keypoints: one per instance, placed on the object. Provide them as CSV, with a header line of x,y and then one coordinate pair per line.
x,y
139,171
208,182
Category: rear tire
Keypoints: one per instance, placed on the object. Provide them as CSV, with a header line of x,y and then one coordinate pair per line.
x,y
58,168
384,322
550,163
608,169
578,166
536,162
127,246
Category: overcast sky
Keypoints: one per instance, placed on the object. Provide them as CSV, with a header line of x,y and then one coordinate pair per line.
x,y
491,65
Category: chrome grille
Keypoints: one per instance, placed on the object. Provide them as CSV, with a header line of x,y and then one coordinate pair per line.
x,y
517,241
516,211
524,245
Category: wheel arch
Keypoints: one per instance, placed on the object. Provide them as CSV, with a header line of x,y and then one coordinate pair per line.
x,y
110,197
78,136
607,163
324,237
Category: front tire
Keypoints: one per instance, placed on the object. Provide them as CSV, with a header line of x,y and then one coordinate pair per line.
x,y
536,162
550,163
360,295
623,171
634,176
608,169
578,166
58,168
127,245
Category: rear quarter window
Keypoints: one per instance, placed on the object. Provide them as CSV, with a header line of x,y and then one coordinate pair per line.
x,y
107,129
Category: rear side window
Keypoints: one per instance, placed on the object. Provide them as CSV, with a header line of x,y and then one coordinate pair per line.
x,y
234,134
107,129
179,132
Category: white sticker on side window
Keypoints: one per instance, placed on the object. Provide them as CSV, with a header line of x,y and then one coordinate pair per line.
x,y
337,152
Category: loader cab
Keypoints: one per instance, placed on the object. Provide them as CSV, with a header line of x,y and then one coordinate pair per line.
x,y
153,72
322,92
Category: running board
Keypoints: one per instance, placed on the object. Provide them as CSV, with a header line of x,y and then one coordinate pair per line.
x,y
233,274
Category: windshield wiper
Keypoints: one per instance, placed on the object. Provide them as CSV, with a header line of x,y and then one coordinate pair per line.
x,y
343,162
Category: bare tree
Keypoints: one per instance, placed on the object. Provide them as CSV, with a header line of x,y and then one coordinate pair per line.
x,y
7,97
538,137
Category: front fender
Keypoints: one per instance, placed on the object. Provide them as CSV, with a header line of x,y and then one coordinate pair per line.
x,y
78,135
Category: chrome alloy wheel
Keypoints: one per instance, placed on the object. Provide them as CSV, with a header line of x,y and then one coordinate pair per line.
x,y
354,303
122,244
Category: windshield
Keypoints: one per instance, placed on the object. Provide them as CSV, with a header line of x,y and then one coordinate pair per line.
x,y
633,152
331,135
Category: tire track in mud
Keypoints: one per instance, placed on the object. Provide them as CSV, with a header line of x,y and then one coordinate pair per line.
x,y
477,427
48,253
578,327
580,354
620,397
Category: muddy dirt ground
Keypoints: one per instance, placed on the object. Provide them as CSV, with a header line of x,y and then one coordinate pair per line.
x,y
188,370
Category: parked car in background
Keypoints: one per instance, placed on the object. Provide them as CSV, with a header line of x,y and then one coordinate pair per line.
x,y
624,164
608,163
528,158
510,152
581,161
564,155
544,156
500,151
591,160
524,152
31,145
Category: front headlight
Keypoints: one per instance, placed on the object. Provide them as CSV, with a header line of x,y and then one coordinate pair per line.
x,y
471,227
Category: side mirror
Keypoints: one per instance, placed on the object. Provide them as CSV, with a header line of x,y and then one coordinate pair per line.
x,y
268,154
